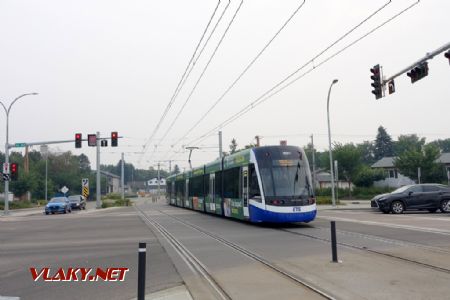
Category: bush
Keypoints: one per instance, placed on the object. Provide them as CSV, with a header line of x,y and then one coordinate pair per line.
x,y
16,204
323,200
366,176
119,202
370,192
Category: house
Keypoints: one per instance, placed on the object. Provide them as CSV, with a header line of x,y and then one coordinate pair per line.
x,y
152,185
445,160
393,177
113,182
323,181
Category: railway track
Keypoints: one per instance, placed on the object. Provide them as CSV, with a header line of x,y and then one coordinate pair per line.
x,y
378,252
202,270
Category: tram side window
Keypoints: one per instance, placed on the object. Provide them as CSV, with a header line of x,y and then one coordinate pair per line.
x,y
218,183
255,193
179,189
196,186
231,183
168,189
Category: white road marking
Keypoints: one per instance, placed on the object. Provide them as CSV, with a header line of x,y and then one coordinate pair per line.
x,y
422,229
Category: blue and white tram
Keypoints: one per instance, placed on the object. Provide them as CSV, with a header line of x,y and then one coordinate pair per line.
x,y
262,184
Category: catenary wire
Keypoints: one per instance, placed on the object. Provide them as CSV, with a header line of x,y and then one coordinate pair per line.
x,y
270,93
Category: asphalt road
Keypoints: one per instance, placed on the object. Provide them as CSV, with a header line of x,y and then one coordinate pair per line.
x,y
91,239
382,256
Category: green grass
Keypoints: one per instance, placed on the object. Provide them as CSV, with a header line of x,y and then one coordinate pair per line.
x,y
326,200
17,205
115,202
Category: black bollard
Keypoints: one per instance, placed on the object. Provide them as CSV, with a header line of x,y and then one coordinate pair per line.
x,y
141,270
333,241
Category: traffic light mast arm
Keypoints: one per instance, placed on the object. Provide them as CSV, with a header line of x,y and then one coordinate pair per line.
x,y
55,142
422,60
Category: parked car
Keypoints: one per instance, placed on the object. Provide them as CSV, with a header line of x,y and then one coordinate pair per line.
x,y
58,205
429,197
77,201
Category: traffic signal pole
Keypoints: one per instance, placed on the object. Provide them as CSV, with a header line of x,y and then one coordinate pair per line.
x,y
420,61
99,200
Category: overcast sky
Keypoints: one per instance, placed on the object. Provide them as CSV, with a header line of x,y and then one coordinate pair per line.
x,y
114,65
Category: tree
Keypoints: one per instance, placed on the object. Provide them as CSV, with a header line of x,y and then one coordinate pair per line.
x,y
349,161
233,146
409,161
383,144
408,142
366,176
367,152
176,169
444,145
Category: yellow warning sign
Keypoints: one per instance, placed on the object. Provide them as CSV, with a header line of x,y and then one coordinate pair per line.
x,y
85,187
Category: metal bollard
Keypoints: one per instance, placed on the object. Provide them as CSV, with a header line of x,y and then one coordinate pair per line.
x,y
333,242
141,270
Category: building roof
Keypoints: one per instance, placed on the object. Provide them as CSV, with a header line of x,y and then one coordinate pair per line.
x,y
323,177
444,158
108,174
385,162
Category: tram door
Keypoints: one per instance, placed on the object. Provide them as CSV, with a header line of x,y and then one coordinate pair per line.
x,y
245,190
212,192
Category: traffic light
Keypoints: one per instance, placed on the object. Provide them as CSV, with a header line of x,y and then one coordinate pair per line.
x,y
419,72
77,140
376,84
447,54
114,137
14,170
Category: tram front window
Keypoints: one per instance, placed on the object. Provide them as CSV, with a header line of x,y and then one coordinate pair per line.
x,y
285,179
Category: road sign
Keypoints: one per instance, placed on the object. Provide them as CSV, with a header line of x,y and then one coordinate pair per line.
x,y
5,168
391,86
18,145
85,187
5,177
64,189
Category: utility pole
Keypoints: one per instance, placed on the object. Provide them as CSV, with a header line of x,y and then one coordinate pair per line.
x,y
98,202
122,177
313,162
257,140
158,182
220,145
170,166
336,170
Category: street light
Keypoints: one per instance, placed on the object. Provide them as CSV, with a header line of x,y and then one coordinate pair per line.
x,y
7,146
333,199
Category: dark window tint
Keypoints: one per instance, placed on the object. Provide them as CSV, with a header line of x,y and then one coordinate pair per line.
x,y
430,188
196,186
415,189
179,189
255,193
231,183
206,183
218,184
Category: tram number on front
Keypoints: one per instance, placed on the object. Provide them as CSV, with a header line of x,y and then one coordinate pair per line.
x,y
297,209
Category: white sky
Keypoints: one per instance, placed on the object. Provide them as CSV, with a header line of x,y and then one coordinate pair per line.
x,y
113,66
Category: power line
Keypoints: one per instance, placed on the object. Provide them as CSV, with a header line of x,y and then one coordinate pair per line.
x,y
203,72
243,72
172,100
270,93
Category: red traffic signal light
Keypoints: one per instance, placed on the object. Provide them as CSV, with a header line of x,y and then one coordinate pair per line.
x,y
376,84
114,137
14,171
77,140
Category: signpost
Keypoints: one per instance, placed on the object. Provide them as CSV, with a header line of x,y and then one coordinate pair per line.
x,y
64,190
85,187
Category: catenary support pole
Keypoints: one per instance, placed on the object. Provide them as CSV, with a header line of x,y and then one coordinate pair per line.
x,y
122,179
220,144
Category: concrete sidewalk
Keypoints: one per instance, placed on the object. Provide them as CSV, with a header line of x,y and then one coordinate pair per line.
x,y
347,204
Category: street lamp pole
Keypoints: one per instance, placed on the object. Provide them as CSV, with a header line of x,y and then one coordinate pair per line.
x,y
333,199
7,146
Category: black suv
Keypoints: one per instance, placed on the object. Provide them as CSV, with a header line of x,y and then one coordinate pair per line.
x,y
429,197
77,201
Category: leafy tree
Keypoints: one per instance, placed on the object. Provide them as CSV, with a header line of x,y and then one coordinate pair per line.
x,y
233,146
367,149
366,176
444,145
408,142
349,161
410,160
383,144
176,169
